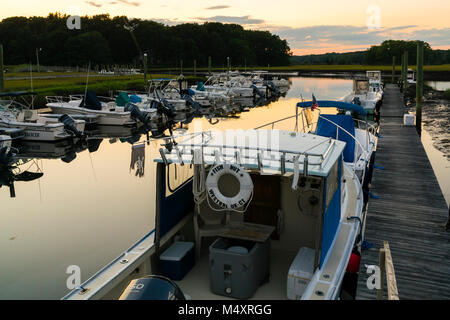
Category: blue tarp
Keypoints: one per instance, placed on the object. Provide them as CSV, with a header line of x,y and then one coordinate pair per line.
x,y
327,129
334,104
200,86
135,99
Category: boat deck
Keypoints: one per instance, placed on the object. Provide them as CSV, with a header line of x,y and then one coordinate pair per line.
x,y
410,213
196,283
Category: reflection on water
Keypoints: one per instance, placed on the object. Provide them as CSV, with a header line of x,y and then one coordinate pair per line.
x,y
94,199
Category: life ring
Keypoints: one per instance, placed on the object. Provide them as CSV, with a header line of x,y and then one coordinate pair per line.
x,y
224,202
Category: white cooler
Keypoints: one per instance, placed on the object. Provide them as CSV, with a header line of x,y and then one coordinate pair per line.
x,y
408,119
300,273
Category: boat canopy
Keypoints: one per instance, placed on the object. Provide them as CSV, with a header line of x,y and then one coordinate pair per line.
x,y
271,150
335,104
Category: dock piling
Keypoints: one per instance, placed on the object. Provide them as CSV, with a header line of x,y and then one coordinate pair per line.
x,y
209,64
405,75
393,69
419,87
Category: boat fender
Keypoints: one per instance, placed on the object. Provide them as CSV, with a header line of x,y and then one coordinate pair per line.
x,y
245,186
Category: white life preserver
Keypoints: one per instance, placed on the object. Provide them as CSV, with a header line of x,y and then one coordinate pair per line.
x,y
245,182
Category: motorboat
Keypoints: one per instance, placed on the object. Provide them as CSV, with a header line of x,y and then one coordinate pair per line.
x,y
243,214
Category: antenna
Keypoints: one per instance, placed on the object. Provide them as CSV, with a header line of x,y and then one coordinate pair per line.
x,y
87,82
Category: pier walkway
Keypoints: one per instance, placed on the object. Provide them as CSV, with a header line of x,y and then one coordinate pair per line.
x,y
410,212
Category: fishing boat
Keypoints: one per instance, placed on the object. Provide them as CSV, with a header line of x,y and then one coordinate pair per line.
x,y
368,93
108,112
255,214
16,115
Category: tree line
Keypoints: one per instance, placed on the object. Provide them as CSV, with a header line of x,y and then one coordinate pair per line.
x,y
103,40
378,55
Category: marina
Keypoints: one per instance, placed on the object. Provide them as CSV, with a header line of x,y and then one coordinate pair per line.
x,y
224,155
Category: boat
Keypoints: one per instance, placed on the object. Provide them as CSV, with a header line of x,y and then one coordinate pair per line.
x,y
108,112
256,214
16,115
368,93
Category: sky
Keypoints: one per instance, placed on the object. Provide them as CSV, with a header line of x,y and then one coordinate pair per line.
x,y
310,27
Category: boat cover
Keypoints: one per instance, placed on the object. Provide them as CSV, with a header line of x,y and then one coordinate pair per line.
x,y
122,99
327,129
135,99
90,101
334,104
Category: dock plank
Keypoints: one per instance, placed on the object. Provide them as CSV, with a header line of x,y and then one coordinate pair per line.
x,y
410,213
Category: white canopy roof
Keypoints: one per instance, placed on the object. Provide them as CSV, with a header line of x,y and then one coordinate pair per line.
x,y
267,150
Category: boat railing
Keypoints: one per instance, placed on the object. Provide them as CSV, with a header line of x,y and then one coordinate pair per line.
x,y
256,154
308,126
57,99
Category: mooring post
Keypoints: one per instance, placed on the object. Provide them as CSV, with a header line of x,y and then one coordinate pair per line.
x,y
195,67
2,83
405,83
402,72
181,66
393,69
419,87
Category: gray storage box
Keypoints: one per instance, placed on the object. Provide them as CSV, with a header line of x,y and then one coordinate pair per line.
x,y
237,267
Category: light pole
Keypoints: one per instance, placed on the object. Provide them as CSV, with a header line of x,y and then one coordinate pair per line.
x,y
37,58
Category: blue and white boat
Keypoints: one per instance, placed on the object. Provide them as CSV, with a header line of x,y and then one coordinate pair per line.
x,y
256,214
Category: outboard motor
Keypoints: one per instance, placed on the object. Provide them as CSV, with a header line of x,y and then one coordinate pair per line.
x,y
356,100
256,91
152,288
273,87
69,125
136,113
191,102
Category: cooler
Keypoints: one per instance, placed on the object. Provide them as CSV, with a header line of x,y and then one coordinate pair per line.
x,y
300,273
177,260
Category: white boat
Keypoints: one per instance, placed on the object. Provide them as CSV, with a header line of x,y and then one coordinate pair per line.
x,y
243,215
35,128
108,113
368,94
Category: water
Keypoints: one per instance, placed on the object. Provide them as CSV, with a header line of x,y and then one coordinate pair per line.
x,y
88,211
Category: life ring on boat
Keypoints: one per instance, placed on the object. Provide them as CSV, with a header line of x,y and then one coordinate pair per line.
x,y
222,201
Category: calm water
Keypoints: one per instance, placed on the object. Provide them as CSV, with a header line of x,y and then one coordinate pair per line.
x,y
88,211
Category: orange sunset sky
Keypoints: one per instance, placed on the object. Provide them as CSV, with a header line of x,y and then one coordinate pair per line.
x,y
309,26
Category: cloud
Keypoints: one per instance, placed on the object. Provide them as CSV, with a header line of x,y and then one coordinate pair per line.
x,y
130,3
217,7
335,38
92,3
244,20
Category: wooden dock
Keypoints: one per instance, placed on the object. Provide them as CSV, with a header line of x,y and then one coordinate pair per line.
x,y
410,212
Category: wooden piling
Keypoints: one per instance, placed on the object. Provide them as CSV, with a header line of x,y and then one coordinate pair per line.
x,y
2,83
405,83
195,67
419,87
181,66
393,69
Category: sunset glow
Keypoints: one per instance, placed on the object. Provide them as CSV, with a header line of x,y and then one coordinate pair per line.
x,y
309,27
